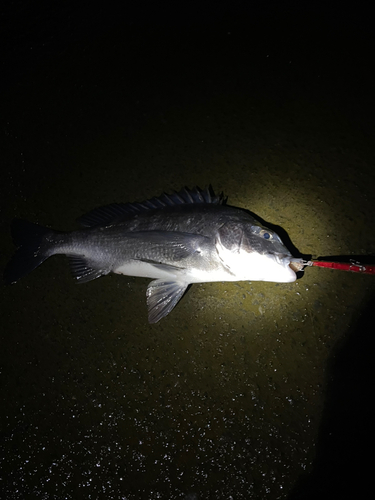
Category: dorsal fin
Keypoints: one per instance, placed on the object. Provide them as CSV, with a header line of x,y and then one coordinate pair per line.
x,y
116,212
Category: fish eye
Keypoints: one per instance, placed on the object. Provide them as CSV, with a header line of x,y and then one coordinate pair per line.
x,y
265,234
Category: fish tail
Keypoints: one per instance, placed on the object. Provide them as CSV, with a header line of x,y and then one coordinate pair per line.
x,y
32,249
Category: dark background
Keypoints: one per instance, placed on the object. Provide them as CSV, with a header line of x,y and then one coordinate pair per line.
x,y
151,56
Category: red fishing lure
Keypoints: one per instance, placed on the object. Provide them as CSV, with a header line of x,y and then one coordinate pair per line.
x,y
355,267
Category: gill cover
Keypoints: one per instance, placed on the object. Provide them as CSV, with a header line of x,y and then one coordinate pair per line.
x,y
229,243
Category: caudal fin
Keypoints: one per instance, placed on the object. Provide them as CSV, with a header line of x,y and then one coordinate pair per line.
x,y
31,249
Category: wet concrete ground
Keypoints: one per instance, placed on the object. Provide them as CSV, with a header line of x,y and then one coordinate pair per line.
x,y
246,390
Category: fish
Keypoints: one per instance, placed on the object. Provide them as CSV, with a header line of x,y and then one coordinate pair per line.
x,y
189,236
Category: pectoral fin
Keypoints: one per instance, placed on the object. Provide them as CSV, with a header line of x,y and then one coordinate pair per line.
x,y
162,296
171,246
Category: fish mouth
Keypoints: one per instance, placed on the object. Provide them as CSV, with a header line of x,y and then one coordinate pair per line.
x,y
285,260
278,269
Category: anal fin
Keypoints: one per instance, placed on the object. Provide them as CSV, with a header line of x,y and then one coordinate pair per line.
x,y
162,297
83,270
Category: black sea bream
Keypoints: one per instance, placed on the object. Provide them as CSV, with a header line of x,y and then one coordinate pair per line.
x,y
178,239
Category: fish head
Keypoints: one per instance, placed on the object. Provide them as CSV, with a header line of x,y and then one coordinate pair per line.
x,y
253,252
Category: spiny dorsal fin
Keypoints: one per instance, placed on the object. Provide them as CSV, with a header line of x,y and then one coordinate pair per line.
x,y
116,212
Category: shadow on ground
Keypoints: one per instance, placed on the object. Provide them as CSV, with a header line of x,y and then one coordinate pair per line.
x,y
343,467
